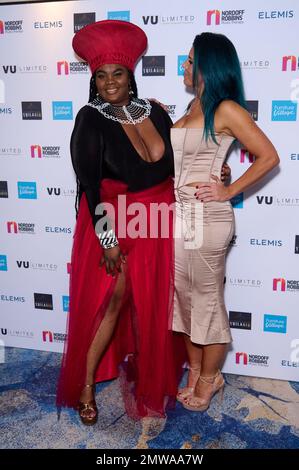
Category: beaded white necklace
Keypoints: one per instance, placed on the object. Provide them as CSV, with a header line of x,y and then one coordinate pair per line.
x,y
134,112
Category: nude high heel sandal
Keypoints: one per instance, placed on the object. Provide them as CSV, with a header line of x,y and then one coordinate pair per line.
x,y
186,392
216,383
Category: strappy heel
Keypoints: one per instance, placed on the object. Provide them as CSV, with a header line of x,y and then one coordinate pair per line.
x,y
85,408
216,382
186,392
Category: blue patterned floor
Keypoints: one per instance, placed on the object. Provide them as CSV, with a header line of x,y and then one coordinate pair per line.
x,y
255,414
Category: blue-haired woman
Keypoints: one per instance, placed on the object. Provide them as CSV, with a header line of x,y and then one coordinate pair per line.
x,y
201,140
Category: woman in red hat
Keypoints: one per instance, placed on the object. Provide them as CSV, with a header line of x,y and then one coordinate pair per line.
x,y
121,284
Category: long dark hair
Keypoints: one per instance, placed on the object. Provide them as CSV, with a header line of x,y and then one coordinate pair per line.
x,y
216,62
93,89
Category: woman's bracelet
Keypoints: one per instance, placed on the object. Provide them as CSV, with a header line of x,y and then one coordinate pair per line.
x,y
108,239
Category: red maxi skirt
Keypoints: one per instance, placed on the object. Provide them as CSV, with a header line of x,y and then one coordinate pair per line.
x,y
151,356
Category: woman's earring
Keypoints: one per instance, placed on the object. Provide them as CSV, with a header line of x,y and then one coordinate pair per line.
x,y
131,92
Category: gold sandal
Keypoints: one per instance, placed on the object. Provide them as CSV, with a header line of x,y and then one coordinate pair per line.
x,y
89,406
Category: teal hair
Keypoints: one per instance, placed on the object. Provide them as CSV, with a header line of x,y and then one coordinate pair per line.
x,y
216,62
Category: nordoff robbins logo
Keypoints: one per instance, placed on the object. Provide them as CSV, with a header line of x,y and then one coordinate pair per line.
x,y
12,26
49,336
281,284
48,151
65,68
217,17
251,359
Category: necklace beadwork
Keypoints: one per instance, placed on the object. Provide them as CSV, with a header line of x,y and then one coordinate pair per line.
x,y
133,113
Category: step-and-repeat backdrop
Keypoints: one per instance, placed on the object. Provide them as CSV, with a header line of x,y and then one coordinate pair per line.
x,y
42,87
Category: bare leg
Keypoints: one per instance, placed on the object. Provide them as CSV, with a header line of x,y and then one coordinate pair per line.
x,y
103,337
194,352
213,357
212,360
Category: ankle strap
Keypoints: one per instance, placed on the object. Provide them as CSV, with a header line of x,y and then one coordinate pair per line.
x,y
212,378
194,369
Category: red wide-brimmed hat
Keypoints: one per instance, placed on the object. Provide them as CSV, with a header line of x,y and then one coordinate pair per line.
x,y
110,42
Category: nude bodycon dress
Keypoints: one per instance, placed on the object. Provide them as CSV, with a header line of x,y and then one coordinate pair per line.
x,y
203,233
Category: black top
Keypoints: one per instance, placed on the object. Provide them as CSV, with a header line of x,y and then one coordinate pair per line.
x,y
100,148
